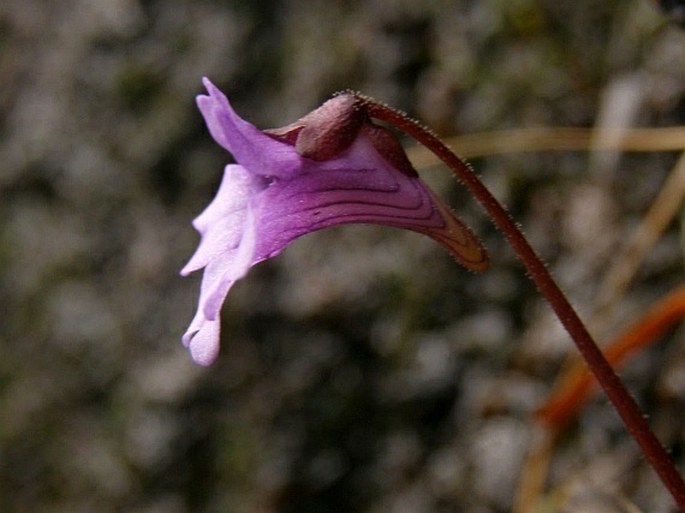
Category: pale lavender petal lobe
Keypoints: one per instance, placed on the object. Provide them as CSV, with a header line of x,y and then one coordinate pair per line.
x,y
202,338
222,223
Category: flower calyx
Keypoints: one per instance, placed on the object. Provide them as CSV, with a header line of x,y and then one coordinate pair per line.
x,y
326,132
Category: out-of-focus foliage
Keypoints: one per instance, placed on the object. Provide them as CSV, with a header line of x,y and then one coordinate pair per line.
x,y
362,370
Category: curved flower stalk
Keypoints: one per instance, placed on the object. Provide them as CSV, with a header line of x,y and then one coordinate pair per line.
x,y
334,166
621,399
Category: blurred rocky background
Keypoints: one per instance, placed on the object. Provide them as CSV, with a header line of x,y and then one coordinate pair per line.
x,y
362,370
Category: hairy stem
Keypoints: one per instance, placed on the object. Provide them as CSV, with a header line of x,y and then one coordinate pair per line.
x,y
600,367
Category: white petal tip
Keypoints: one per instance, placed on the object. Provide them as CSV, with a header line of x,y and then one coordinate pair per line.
x,y
202,339
187,269
203,355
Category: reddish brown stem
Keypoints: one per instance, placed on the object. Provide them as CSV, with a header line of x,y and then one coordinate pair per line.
x,y
614,388
577,383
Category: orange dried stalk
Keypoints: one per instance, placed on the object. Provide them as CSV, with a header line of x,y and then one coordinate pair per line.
x,y
577,384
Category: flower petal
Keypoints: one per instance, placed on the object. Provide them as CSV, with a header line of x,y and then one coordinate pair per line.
x,y
222,223
236,188
250,147
221,273
202,338
358,187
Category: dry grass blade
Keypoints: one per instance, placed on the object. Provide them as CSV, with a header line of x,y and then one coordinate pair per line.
x,y
555,139
661,213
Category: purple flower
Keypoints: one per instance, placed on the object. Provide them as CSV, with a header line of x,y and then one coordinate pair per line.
x,y
333,166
